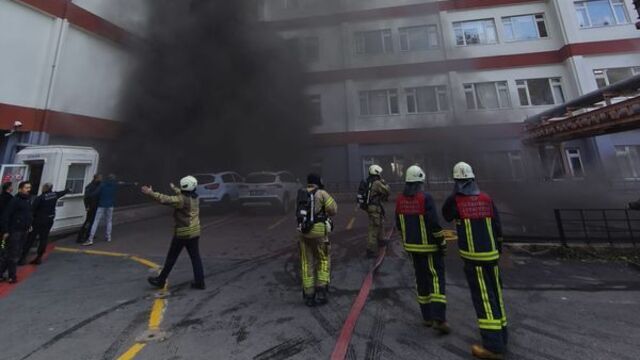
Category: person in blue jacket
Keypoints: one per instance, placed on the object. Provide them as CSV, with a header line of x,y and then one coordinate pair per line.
x,y
106,194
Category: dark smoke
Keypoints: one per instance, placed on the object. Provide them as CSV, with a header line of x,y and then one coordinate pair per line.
x,y
214,90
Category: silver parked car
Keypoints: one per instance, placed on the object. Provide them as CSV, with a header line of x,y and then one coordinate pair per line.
x,y
221,189
278,189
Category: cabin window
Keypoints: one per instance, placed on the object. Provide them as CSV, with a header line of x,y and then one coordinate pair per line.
x,y
75,178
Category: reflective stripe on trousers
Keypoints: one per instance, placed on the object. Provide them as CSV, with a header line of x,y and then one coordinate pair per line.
x,y
430,284
315,263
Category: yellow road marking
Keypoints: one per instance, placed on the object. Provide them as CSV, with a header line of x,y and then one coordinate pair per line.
x,y
159,305
277,223
157,314
132,352
351,222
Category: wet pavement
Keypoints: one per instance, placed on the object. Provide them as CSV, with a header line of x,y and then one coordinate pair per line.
x,y
97,306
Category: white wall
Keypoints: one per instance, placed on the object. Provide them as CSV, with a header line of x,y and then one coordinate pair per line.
x,y
27,40
90,76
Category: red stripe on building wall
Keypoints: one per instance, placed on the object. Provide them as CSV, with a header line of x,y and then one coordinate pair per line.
x,y
390,12
55,8
57,123
83,19
482,63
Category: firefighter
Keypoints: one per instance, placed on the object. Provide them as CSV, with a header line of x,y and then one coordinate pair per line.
x,y
480,244
44,214
423,239
315,256
16,224
186,215
378,193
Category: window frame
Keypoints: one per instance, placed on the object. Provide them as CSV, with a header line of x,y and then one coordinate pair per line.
x,y
613,4
390,94
316,100
83,180
428,29
498,85
576,155
459,26
438,90
536,22
603,74
386,39
553,82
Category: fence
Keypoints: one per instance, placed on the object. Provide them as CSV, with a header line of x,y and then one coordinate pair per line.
x,y
613,226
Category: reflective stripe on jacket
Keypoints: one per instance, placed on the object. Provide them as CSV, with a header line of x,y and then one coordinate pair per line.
x,y
417,220
186,213
323,202
475,226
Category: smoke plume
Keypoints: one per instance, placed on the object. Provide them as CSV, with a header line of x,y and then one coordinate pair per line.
x,y
214,90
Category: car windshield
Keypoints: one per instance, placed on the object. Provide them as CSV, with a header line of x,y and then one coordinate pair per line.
x,y
261,178
205,179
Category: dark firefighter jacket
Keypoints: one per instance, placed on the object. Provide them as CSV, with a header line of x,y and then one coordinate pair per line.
x,y
44,207
5,198
417,220
17,216
91,196
478,226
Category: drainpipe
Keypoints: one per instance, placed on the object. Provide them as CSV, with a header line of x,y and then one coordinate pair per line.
x,y
52,76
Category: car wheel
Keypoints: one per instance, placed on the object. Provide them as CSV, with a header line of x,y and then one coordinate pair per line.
x,y
285,204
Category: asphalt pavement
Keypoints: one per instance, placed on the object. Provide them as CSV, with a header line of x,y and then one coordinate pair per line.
x,y
99,306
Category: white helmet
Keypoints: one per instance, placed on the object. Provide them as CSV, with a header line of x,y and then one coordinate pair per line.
x,y
415,174
463,171
375,170
188,183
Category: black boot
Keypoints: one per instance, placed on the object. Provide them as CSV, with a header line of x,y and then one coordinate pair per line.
x,y
36,261
371,254
22,262
322,295
156,282
198,285
310,300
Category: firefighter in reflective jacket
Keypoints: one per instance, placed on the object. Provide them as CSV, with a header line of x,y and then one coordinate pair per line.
x,y
315,256
480,245
378,193
423,239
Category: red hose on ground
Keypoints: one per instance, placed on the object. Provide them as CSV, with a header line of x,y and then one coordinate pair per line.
x,y
342,344
24,272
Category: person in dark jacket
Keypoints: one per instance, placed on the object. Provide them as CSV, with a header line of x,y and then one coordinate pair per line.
x,y
106,194
6,196
44,213
91,206
15,225
480,244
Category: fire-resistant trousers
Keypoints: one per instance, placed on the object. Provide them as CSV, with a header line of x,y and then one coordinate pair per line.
x,y
315,263
430,285
40,234
486,293
10,251
376,229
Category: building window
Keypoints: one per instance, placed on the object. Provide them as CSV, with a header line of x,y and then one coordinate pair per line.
x,y
540,91
475,32
575,162
427,99
379,102
606,77
628,157
527,27
418,38
315,104
75,178
552,161
309,48
595,13
373,42
393,167
487,95
503,166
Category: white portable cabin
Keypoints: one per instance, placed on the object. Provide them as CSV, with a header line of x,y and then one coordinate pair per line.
x,y
66,167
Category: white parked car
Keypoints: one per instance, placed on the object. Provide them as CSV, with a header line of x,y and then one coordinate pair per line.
x,y
221,189
277,189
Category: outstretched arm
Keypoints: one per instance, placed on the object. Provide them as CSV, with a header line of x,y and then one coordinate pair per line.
x,y
175,200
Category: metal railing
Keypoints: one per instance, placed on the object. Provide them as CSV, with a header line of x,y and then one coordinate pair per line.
x,y
598,226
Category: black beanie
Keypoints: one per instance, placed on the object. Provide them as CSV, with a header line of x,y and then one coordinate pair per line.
x,y
314,179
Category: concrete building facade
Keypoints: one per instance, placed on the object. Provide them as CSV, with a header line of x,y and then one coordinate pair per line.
x,y
435,82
